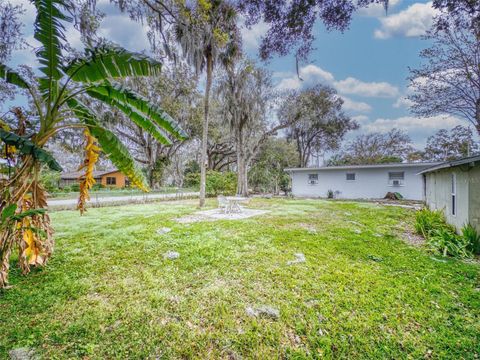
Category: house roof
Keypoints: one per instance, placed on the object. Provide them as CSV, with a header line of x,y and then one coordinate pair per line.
x,y
79,174
471,160
372,166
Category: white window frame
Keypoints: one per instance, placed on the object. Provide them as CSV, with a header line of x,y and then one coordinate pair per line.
x,y
401,181
312,179
351,173
453,195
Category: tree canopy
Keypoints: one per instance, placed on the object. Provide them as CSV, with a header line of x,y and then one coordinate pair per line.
x,y
449,80
375,148
449,145
318,123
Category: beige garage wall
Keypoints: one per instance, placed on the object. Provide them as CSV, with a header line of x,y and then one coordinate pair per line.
x,y
474,206
439,194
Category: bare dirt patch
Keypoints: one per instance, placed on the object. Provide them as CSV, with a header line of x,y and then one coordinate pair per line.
x,y
411,237
217,214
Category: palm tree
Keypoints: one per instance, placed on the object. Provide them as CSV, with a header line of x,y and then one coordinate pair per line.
x,y
61,96
207,36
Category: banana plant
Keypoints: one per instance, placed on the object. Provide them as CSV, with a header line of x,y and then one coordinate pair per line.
x,y
61,95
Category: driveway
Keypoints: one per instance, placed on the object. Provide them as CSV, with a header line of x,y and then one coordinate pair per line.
x,y
98,201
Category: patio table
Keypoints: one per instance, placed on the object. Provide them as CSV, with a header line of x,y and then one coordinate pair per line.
x,y
234,204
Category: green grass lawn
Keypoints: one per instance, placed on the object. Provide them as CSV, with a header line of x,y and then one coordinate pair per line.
x,y
109,293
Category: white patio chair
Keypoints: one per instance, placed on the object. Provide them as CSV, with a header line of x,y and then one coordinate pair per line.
x,y
223,204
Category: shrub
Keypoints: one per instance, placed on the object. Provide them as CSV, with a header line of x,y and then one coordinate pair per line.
x,y
191,167
75,187
192,180
285,183
472,238
448,243
442,237
221,183
427,221
224,183
330,194
49,180
97,186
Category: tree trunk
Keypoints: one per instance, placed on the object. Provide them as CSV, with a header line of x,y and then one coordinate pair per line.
x,y
300,151
477,115
304,157
303,154
242,180
204,159
150,175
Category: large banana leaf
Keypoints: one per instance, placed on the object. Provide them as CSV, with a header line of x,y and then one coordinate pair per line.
x,y
111,145
115,92
12,77
26,147
138,118
111,62
49,31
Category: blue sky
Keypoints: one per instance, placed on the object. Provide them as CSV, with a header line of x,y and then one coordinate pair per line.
x,y
367,64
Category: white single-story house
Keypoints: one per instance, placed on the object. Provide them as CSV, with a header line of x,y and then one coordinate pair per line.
x,y
360,181
454,188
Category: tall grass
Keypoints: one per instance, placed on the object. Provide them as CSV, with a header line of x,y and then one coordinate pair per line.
x,y
427,221
473,238
442,237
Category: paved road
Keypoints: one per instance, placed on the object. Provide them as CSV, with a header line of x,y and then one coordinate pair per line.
x,y
123,199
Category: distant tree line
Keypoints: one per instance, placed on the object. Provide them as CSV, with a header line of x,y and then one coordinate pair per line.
x,y
396,146
238,121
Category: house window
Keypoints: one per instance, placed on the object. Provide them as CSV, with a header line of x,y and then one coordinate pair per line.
x,y
396,178
351,176
454,194
111,180
313,179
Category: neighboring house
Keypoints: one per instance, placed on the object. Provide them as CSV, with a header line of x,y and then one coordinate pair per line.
x,y
108,178
360,181
454,188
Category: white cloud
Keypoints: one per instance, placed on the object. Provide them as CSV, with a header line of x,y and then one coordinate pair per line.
x,y
251,37
357,106
411,22
281,74
315,74
402,101
378,10
128,33
361,119
289,83
74,38
311,75
351,85
414,124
